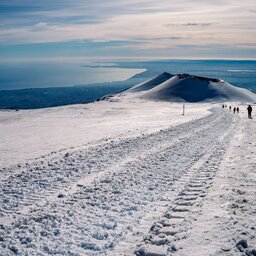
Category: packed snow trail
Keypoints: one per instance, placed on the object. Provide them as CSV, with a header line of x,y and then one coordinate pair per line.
x,y
33,182
225,224
116,198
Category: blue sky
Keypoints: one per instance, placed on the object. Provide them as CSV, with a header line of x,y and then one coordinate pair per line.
x,y
118,29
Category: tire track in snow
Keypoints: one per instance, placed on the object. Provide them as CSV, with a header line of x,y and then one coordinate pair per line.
x,y
46,179
226,219
172,226
186,195
99,216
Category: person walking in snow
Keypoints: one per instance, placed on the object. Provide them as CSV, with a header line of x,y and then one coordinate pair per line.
x,y
230,108
237,109
234,109
249,109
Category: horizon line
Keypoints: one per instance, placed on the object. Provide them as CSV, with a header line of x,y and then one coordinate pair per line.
x,y
90,59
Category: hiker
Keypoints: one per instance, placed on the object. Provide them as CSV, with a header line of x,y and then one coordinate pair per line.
x,y
237,109
223,106
249,109
234,109
230,108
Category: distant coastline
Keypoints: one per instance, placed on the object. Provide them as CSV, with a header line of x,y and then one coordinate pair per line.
x,y
30,75
235,72
34,98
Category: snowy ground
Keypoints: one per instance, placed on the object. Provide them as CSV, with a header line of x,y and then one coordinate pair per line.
x,y
128,178
29,134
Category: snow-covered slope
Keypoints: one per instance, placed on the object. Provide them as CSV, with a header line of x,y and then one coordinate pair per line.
x,y
189,88
151,83
128,177
27,134
140,179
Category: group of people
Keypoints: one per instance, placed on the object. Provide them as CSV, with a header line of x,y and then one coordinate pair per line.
x,y
236,110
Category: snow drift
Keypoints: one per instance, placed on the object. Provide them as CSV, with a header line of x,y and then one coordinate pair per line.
x,y
189,88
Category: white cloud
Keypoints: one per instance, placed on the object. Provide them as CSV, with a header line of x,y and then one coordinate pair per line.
x,y
155,23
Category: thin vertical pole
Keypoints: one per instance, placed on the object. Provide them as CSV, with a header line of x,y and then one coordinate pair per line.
x,y
183,109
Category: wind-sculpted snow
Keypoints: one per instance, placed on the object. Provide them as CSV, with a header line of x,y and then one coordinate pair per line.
x,y
103,200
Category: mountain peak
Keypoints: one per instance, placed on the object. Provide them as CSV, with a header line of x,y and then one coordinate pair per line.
x,y
200,78
190,88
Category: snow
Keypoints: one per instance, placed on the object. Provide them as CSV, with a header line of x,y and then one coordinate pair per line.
x,y
27,134
226,221
128,176
151,83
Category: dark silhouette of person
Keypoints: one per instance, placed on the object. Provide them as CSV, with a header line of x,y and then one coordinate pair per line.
x,y
237,109
249,109
223,106
230,108
234,109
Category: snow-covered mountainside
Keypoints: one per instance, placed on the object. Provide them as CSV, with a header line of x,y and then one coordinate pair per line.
x,y
151,83
129,177
189,88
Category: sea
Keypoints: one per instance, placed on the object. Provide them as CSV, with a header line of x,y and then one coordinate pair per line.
x,y
23,75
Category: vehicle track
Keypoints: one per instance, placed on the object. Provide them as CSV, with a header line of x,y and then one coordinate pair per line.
x,y
46,179
100,217
172,225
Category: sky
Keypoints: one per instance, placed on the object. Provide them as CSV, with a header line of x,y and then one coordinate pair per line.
x,y
122,29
